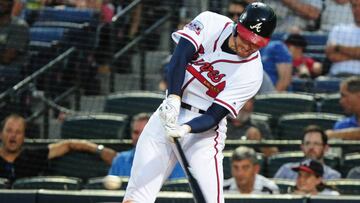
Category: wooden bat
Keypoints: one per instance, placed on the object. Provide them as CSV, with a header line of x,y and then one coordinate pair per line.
x,y
194,185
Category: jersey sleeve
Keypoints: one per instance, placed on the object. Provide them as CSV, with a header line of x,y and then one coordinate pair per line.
x,y
242,86
199,29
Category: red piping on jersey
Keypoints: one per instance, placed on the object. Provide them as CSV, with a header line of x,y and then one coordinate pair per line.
x,y
226,104
190,38
229,61
216,164
215,44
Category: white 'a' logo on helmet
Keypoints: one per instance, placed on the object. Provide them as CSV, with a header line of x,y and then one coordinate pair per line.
x,y
257,26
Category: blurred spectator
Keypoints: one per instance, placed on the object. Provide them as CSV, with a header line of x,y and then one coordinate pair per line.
x,y
349,127
342,7
296,15
246,180
121,166
27,9
243,127
314,146
276,60
343,46
310,179
235,8
304,66
14,39
18,162
107,11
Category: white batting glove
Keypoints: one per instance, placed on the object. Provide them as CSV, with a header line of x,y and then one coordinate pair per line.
x,y
179,131
169,111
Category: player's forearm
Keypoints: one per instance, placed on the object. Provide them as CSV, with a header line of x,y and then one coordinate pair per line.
x,y
302,9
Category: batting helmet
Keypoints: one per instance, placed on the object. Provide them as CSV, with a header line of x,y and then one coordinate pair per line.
x,y
256,23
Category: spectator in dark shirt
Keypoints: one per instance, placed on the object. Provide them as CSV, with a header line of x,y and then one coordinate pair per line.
x,y
18,162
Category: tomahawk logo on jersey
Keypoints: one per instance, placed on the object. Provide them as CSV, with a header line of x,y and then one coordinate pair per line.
x,y
214,75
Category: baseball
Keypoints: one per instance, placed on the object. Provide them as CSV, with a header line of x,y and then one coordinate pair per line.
x,y
112,182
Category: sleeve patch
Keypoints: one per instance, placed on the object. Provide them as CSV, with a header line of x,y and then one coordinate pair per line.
x,y
195,26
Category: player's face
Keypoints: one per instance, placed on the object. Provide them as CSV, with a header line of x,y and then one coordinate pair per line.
x,y
349,101
13,135
313,146
244,172
242,47
306,182
137,129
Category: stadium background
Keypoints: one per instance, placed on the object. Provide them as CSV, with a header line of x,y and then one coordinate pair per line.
x,y
86,75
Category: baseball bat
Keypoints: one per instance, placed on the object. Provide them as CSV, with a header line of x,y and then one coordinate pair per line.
x,y
194,185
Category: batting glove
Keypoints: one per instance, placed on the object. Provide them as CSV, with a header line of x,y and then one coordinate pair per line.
x,y
169,111
177,131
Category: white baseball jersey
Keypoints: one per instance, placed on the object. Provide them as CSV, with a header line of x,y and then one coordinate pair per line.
x,y
213,76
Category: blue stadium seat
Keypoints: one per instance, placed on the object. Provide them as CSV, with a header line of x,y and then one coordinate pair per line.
x,y
301,85
68,14
176,185
326,85
47,34
94,126
291,126
48,182
345,186
315,39
351,160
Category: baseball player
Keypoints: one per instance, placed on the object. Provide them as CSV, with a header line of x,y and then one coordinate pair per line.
x,y
214,70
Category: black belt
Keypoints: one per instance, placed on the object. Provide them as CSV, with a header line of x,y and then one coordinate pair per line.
x,y
191,108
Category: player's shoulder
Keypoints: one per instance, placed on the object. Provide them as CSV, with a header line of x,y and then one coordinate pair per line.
x,y
214,17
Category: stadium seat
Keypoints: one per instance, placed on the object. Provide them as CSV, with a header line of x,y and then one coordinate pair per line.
x,y
285,186
47,34
78,164
94,126
351,160
274,162
131,103
176,185
301,85
227,164
68,14
330,104
326,85
346,186
291,126
333,199
278,104
315,39
48,182
4,183
97,183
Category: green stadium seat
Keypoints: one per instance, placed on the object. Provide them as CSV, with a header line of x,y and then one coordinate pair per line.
x,y
333,199
291,126
134,102
78,164
227,164
330,104
94,126
285,186
176,185
97,183
48,182
4,183
275,161
351,160
345,186
278,104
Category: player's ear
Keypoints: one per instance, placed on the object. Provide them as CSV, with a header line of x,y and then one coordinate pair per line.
x,y
235,30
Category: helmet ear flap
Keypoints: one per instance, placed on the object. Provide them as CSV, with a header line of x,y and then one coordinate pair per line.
x,y
234,33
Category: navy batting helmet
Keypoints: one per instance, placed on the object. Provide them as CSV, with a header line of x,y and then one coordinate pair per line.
x,y
257,23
